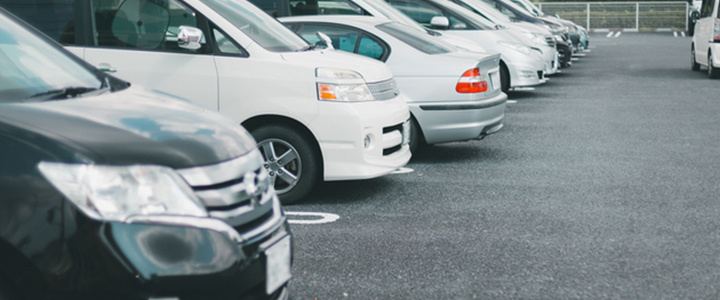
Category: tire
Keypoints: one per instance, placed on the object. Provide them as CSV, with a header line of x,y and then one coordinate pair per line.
x,y
693,63
504,78
293,179
713,72
416,138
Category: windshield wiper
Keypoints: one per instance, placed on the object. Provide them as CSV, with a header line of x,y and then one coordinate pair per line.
x,y
307,48
68,92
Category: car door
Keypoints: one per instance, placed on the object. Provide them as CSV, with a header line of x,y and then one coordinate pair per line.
x,y
136,40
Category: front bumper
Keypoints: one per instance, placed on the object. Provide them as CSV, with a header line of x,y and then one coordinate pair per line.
x,y
364,139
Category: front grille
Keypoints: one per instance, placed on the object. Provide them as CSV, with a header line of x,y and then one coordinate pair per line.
x,y
237,191
384,90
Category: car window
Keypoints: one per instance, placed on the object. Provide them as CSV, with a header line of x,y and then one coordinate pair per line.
x,y
226,45
345,38
140,24
420,12
706,8
329,7
57,20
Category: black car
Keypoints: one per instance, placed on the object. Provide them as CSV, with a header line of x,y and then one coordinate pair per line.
x,y
112,191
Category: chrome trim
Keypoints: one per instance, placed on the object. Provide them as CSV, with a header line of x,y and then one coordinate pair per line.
x,y
222,172
384,90
275,221
189,221
237,193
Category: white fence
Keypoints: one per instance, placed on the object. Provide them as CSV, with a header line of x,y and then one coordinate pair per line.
x,y
626,16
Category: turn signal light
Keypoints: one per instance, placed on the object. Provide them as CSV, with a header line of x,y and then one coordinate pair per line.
x,y
471,82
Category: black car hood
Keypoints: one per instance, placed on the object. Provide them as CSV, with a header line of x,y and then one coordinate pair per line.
x,y
132,126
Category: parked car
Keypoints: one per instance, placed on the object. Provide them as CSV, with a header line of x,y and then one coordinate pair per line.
x,y
705,47
315,114
521,64
112,191
541,36
516,13
453,95
377,8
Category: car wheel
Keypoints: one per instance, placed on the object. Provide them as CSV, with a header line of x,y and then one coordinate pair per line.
x,y
415,135
712,71
694,65
291,161
504,78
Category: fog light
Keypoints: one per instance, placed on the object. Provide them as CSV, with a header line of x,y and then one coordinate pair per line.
x,y
367,142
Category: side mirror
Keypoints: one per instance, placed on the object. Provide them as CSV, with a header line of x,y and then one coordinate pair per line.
x,y
325,39
440,22
190,38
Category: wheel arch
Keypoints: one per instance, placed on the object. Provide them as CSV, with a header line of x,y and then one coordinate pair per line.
x,y
262,120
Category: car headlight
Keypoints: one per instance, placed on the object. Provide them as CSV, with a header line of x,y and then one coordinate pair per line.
x,y
118,193
341,85
517,47
535,37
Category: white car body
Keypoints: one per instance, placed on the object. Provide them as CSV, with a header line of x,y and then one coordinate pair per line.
x,y
429,80
525,64
541,37
270,87
705,42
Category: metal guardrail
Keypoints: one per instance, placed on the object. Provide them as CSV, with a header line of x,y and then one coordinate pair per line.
x,y
625,16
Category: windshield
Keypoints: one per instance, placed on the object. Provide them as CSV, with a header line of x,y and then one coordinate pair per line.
x,y
487,11
261,27
392,13
468,16
31,69
415,39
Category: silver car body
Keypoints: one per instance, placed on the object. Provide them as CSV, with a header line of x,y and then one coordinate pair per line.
x,y
428,81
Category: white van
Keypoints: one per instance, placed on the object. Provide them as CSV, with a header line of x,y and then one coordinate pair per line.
x,y
316,114
705,48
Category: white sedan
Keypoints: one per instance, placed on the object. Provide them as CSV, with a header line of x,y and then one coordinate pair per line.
x,y
453,95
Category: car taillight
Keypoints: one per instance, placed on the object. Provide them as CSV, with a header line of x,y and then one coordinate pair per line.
x,y
716,30
471,82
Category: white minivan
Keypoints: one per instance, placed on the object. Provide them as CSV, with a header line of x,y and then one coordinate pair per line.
x,y
316,114
705,47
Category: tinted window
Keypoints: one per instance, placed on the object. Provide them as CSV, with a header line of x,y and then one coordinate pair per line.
x,y
416,39
33,70
346,39
141,24
55,19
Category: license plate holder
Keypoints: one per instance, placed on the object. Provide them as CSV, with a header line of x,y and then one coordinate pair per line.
x,y
277,265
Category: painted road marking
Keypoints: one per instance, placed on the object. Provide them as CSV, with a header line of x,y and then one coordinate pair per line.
x,y
310,218
402,170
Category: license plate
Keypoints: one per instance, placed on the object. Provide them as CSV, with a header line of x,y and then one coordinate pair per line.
x,y
494,78
277,267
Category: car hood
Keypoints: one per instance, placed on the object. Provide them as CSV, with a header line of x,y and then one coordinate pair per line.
x,y
132,126
370,69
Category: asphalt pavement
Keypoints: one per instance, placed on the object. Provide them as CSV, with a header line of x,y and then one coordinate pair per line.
x,y
603,184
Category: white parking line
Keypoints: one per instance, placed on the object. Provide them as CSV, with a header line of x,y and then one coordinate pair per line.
x,y
402,170
310,218
618,34
609,34
524,89
511,101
